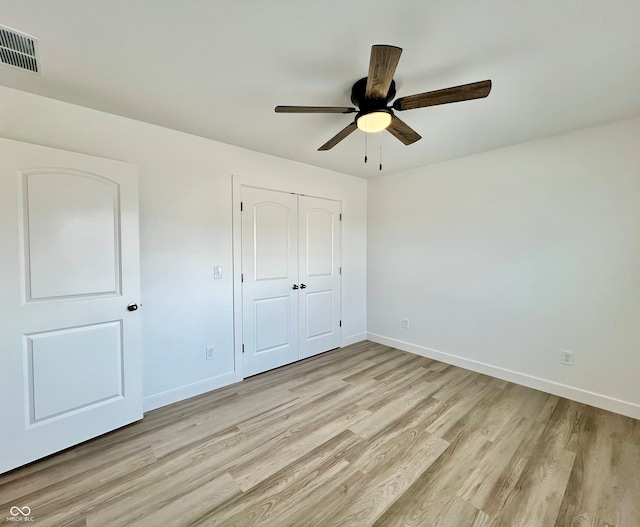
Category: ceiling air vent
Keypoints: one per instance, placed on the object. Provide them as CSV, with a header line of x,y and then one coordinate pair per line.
x,y
19,50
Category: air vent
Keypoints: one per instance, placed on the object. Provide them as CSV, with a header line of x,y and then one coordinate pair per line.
x,y
19,50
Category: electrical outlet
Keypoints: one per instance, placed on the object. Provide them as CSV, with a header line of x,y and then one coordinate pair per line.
x,y
209,352
405,323
566,358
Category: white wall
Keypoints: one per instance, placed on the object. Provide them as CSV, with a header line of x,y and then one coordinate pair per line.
x,y
503,259
186,229
499,260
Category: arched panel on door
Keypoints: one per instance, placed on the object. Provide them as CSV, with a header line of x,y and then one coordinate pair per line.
x,y
84,223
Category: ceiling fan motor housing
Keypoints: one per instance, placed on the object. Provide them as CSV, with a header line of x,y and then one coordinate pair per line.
x,y
365,104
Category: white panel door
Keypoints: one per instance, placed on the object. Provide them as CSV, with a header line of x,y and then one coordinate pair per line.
x,y
270,270
319,275
291,282
69,347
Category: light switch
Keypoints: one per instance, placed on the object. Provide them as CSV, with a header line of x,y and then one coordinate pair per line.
x,y
217,272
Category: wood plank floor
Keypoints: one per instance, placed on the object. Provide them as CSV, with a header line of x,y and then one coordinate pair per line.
x,y
365,435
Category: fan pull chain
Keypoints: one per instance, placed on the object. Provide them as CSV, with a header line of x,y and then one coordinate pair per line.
x,y
381,151
365,147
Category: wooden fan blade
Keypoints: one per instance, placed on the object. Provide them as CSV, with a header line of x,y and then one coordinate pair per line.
x,y
382,66
315,109
403,131
338,137
475,90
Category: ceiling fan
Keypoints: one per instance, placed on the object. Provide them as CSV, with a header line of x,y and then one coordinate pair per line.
x,y
372,94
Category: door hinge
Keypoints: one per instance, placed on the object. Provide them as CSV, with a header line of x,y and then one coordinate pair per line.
x,y
341,216
241,206
341,323
243,348
340,270
241,278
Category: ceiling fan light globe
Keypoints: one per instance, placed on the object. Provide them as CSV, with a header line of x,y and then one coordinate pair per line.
x,y
374,121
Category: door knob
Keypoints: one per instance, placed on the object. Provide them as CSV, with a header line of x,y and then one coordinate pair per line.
x,y
295,286
132,306
302,286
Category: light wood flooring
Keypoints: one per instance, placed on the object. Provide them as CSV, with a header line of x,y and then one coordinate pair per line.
x,y
365,435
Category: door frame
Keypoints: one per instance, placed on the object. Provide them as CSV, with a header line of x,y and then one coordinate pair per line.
x,y
238,182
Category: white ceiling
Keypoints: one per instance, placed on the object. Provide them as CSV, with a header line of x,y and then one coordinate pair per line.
x,y
217,68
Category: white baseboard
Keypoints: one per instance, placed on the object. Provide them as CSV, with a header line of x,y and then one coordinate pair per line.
x,y
569,392
185,392
352,339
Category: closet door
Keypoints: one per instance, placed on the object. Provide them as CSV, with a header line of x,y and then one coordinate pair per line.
x,y
319,274
270,271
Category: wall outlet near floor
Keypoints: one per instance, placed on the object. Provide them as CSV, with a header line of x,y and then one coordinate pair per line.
x,y
405,323
566,358
209,352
